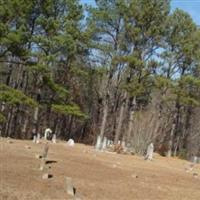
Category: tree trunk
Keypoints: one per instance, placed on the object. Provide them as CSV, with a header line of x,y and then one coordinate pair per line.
x,y
24,128
70,128
176,146
8,79
103,125
170,145
2,110
130,122
121,118
150,150
36,111
10,122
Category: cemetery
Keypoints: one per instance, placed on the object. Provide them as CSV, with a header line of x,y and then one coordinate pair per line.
x,y
99,100
68,170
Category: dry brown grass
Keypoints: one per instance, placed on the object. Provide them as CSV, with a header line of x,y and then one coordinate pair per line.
x,y
96,175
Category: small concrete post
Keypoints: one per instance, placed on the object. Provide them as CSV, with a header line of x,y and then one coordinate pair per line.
x,y
43,164
44,156
69,186
45,151
45,176
44,168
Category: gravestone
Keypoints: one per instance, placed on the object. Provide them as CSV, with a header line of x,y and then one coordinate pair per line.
x,y
34,135
38,156
43,164
47,132
104,146
44,156
108,143
124,146
54,138
150,149
45,151
45,176
195,159
98,143
38,139
134,176
70,142
69,186
34,139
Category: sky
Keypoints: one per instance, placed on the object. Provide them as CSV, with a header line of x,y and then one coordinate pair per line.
x,y
190,6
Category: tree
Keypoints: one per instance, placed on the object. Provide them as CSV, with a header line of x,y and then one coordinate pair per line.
x,y
125,70
144,28
178,63
106,23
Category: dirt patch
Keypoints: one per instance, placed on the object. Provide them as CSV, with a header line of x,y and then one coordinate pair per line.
x,y
95,175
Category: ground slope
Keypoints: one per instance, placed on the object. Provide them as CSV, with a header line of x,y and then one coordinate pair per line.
x,y
96,175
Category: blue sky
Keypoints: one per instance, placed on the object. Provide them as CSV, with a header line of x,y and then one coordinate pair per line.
x,y
191,6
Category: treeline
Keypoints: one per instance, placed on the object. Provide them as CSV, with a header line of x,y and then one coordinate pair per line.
x,y
128,70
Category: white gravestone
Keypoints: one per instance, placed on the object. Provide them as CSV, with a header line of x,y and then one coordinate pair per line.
x,y
47,132
104,143
150,149
98,144
124,146
34,139
194,159
54,138
70,142
38,138
108,143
